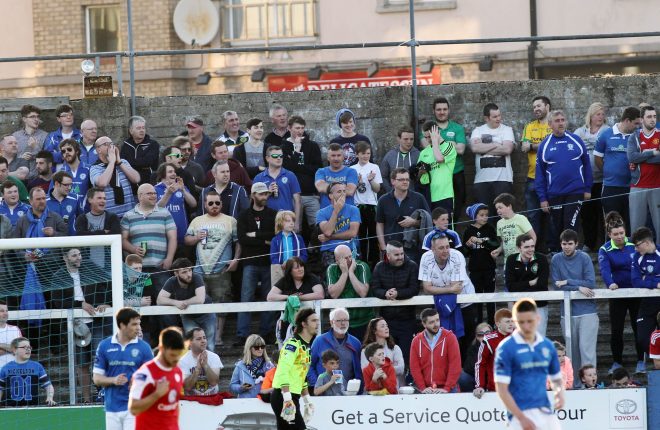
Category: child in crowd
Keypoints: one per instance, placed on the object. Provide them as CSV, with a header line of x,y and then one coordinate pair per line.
x,y
27,375
480,239
589,377
366,199
285,244
379,376
440,218
565,365
135,281
329,383
267,384
510,226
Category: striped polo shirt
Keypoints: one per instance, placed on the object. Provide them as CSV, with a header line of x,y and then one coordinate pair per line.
x,y
151,228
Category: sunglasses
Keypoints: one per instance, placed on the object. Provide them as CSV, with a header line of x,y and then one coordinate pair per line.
x,y
214,203
482,333
276,156
65,150
175,155
258,346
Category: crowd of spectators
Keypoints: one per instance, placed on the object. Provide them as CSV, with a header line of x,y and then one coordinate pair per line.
x,y
256,216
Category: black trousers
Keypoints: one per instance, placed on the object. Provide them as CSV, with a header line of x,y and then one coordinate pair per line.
x,y
616,199
592,218
646,323
618,310
469,314
369,251
485,192
277,403
484,282
564,214
403,332
459,194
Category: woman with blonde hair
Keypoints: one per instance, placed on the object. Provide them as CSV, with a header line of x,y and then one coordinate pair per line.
x,y
286,244
250,371
594,124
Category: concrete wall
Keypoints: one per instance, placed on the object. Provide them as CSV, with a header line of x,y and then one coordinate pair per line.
x,y
380,111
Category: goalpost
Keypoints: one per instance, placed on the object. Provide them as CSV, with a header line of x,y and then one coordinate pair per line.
x,y
17,267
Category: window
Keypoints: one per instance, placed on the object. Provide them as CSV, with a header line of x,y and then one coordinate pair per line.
x,y
268,20
102,28
385,6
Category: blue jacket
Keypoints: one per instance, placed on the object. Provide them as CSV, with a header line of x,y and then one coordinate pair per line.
x,y
325,342
645,271
578,270
562,167
52,142
299,249
242,375
615,263
239,200
612,146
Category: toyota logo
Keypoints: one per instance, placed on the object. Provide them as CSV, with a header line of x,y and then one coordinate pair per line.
x,y
626,406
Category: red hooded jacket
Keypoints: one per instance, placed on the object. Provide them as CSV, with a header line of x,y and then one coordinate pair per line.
x,y
484,370
439,368
389,382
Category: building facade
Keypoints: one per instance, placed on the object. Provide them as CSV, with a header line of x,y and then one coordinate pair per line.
x,y
41,27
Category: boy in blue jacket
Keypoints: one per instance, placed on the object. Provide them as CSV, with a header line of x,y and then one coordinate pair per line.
x,y
645,273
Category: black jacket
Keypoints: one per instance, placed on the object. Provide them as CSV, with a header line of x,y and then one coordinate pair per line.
x,y
142,157
111,224
518,274
303,164
403,279
240,155
95,284
255,251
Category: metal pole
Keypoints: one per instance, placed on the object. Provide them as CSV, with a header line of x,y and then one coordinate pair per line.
x,y
72,357
317,309
131,56
120,78
568,338
413,65
531,49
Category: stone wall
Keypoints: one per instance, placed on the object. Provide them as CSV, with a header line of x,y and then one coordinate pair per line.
x,y
380,111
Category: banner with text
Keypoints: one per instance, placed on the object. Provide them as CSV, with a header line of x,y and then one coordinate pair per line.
x,y
352,79
585,409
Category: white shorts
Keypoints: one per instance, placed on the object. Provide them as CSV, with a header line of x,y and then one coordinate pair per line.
x,y
119,421
541,418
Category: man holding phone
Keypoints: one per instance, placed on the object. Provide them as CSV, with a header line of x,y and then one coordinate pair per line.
x,y
115,176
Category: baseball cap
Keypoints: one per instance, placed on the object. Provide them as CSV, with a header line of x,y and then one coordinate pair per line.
x,y
259,187
195,122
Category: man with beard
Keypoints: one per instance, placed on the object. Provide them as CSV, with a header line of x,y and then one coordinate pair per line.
x,y
182,290
435,360
72,164
44,169
189,166
97,221
532,136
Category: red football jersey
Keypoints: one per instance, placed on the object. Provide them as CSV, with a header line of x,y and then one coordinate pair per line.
x,y
164,414
649,173
654,347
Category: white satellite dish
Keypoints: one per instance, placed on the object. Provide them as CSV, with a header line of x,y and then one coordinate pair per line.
x,y
196,21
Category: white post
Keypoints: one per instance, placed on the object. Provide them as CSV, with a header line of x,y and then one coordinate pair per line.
x,y
72,357
116,267
568,337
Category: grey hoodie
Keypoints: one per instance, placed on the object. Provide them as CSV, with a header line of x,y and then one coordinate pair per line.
x,y
394,159
578,270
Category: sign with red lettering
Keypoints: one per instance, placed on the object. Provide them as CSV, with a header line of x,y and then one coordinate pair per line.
x,y
352,79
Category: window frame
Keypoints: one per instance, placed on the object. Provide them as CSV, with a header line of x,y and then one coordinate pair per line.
x,y
385,6
88,33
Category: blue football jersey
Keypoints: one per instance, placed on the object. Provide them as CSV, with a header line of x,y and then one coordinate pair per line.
x,y
112,359
526,368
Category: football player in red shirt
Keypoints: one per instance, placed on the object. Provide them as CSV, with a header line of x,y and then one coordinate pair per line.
x,y
156,386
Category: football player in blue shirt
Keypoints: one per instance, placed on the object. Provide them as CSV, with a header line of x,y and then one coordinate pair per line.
x,y
523,362
117,358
